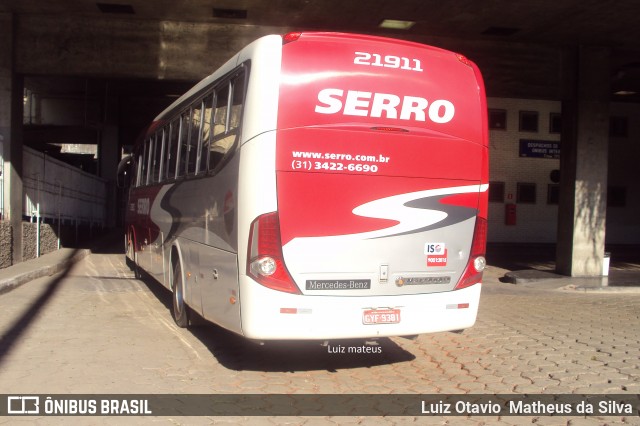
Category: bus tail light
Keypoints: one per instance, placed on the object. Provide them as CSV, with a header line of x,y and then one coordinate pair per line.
x,y
389,129
289,37
473,272
265,262
464,60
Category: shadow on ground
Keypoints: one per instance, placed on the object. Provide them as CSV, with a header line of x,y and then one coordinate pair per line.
x,y
537,262
238,353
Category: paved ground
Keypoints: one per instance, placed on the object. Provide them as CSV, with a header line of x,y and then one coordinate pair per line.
x,y
95,329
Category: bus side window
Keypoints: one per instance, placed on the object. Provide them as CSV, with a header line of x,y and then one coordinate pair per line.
x,y
144,163
138,180
207,104
150,145
218,145
237,100
183,143
194,136
152,159
156,152
161,140
172,149
226,119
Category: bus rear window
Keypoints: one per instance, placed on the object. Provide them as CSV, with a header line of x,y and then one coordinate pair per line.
x,y
338,81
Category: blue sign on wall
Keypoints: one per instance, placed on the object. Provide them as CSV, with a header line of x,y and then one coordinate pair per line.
x,y
539,149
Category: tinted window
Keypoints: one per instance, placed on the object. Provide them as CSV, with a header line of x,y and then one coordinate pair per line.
x,y
227,119
172,148
184,143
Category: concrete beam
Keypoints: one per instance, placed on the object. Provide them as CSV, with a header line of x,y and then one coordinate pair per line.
x,y
65,45
189,51
38,135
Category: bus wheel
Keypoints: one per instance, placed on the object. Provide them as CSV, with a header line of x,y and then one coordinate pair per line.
x,y
180,314
136,269
132,257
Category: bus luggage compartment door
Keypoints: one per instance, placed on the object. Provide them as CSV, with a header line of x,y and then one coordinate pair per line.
x,y
346,215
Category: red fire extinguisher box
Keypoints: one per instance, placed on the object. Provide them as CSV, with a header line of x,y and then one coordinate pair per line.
x,y
509,214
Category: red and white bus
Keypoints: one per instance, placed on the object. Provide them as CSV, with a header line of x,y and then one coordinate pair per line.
x,y
319,186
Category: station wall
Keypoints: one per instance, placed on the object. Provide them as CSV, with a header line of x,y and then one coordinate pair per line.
x,y
524,163
58,191
623,198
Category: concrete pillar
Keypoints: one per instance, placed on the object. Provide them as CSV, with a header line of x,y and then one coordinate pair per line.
x,y
11,103
108,153
583,162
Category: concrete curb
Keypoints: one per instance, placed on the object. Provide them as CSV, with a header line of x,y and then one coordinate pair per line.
x,y
604,289
529,276
619,281
39,271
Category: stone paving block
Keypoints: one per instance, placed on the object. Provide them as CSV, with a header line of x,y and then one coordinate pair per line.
x,y
497,388
472,387
517,421
591,421
344,420
516,380
524,341
633,387
551,421
528,388
424,388
289,420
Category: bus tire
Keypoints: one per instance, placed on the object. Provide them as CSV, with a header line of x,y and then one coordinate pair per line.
x,y
180,310
137,272
132,257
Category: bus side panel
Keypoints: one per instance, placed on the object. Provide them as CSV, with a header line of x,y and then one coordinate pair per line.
x,y
159,223
192,286
261,103
217,276
256,196
256,188
205,221
257,178
145,218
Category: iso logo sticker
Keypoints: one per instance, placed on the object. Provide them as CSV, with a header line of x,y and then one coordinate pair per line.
x,y
436,254
23,405
434,248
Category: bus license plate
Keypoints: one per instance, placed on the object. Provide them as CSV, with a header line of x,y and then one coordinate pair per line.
x,y
381,316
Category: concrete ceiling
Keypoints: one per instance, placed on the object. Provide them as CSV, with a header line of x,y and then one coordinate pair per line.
x,y
516,43
596,22
519,45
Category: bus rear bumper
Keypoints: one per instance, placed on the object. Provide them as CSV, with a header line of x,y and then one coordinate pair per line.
x,y
274,315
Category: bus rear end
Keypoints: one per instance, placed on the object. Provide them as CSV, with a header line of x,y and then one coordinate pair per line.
x,y
381,173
